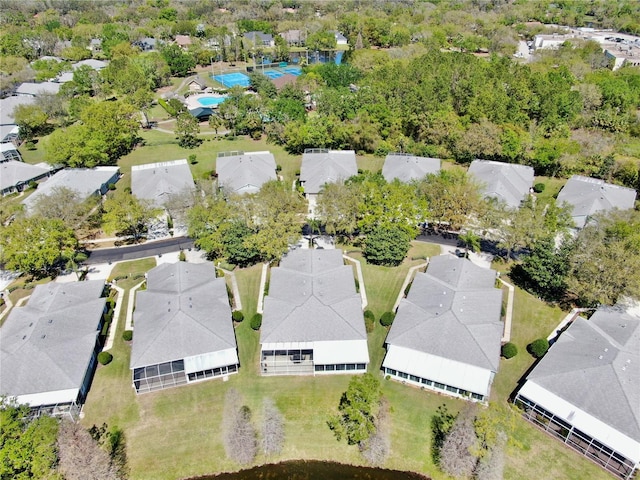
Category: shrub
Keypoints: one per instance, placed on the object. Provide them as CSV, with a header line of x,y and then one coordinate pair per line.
x,y
509,350
539,187
278,168
30,145
538,347
237,316
127,335
33,185
256,321
105,358
163,103
387,319
407,288
193,159
369,320
111,186
182,257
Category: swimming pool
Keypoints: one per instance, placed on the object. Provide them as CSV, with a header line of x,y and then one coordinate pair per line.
x,y
211,101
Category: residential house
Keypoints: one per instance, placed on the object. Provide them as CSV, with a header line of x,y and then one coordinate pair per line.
x,y
321,166
90,62
183,41
589,196
29,89
447,332
9,130
340,38
146,44
240,172
15,175
294,38
585,390
183,328
157,182
406,167
9,152
507,182
284,80
313,322
85,181
95,45
259,39
197,84
49,347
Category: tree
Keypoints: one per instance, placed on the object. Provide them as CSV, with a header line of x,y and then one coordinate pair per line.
x,y
37,245
456,454
441,423
180,63
358,405
124,214
80,455
605,263
538,347
491,466
386,245
215,122
31,119
471,242
240,441
28,444
272,428
338,208
377,448
187,130
65,204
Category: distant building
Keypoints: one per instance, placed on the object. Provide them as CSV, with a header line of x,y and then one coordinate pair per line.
x,y
146,44
321,166
447,333
340,38
406,167
157,182
284,80
183,328
94,64
240,172
585,391
507,182
85,181
259,39
183,41
197,84
589,196
313,322
15,176
95,45
9,130
49,347
294,38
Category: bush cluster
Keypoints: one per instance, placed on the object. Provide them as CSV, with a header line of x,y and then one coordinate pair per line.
x,y
105,358
387,319
237,316
539,187
538,347
369,320
127,335
509,350
256,321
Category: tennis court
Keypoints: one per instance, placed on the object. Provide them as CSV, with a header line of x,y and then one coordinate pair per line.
x,y
232,79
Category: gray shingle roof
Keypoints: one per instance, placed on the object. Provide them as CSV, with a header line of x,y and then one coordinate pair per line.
x,y
588,196
245,173
12,173
254,36
508,182
452,311
312,297
595,365
184,312
406,167
47,345
85,181
158,181
326,167
8,105
95,64
35,89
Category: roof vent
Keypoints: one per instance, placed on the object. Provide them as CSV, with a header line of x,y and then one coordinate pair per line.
x,y
24,337
43,336
168,310
31,324
600,357
606,349
50,320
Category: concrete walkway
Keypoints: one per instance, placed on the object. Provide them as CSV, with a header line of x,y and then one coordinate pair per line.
x,y
114,322
132,295
363,290
506,333
234,287
406,282
570,317
263,282
8,305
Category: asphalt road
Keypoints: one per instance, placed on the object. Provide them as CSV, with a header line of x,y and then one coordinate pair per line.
x,y
442,239
133,252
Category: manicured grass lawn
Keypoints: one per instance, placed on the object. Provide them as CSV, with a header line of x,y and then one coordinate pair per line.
x,y
552,187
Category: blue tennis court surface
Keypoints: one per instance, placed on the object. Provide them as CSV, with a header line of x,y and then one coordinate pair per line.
x,y
297,71
232,79
273,73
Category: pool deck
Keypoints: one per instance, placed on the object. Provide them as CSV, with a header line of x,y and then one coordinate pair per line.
x,y
192,100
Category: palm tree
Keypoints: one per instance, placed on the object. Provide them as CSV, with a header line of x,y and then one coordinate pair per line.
x,y
471,242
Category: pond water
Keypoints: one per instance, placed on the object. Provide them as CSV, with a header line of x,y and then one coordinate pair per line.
x,y
314,470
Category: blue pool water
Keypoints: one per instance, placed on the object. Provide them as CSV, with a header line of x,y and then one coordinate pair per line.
x,y
210,101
